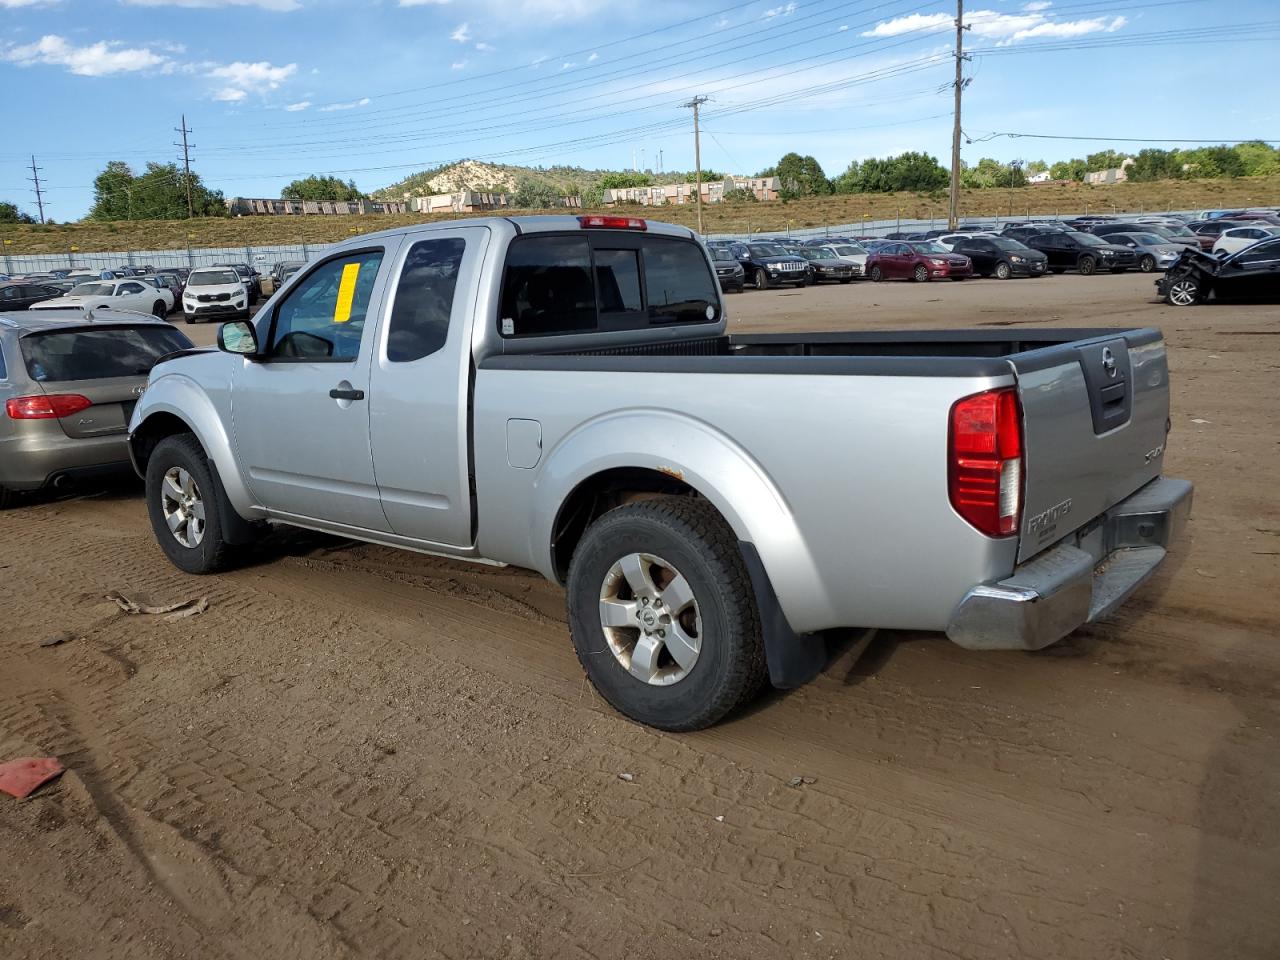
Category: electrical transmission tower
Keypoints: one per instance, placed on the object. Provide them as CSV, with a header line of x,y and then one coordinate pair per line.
x,y
695,103
35,178
186,159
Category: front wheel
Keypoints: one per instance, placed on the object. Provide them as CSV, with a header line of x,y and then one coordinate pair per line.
x,y
762,280
876,274
159,310
1087,266
183,507
1183,292
1003,271
662,614
1147,263
920,274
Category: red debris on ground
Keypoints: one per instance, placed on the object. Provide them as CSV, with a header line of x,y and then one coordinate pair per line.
x,y
21,777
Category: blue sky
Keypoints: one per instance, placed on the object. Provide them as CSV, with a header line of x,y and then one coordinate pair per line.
x,y
276,89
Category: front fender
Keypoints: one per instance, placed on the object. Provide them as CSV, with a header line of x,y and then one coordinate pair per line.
x,y
178,395
696,453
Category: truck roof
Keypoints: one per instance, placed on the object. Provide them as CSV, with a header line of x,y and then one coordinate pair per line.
x,y
531,224
38,321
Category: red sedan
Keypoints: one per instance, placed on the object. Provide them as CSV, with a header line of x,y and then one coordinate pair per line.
x,y
919,261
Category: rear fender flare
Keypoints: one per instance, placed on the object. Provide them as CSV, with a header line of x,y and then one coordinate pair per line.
x,y
700,456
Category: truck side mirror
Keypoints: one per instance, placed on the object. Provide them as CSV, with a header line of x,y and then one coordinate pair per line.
x,y
238,336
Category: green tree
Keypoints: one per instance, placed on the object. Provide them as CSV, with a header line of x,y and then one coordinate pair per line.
x,y
1103,160
1073,169
912,171
1037,166
1210,163
316,187
740,195
9,213
1258,158
993,173
625,180
160,193
532,194
801,177
1153,164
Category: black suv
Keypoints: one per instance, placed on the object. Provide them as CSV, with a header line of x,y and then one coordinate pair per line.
x,y
1001,257
729,271
1023,231
767,265
1083,252
252,279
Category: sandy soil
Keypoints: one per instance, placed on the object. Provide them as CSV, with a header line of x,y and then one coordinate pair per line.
x,y
361,753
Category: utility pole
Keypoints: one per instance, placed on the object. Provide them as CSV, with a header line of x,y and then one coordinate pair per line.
x,y
35,178
953,212
186,160
695,103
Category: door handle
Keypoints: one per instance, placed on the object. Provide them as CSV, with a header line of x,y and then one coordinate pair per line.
x,y
339,394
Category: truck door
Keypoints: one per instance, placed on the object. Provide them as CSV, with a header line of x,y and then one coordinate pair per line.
x,y
301,415
420,408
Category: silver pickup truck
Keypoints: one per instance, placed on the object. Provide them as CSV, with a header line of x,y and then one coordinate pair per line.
x,y
560,393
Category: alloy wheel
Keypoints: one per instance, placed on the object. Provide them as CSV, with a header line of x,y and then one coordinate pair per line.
x,y
183,507
650,619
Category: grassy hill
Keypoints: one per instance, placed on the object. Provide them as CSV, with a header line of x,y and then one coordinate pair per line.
x,y
477,175
774,217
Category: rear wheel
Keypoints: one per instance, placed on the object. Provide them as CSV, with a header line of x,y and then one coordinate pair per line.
x,y
1147,263
1183,292
662,614
920,274
183,507
1003,270
1087,265
876,274
159,309
762,280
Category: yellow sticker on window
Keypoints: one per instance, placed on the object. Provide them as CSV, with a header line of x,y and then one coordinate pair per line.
x,y
346,293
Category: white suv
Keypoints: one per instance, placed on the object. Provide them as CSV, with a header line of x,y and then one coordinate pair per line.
x,y
214,293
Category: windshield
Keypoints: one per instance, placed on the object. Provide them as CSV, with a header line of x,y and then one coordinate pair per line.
x,y
1088,239
94,354
850,250
929,248
1004,243
213,278
1146,239
722,253
767,250
93,290
819,254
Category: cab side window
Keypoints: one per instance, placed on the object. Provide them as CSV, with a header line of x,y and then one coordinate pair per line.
x,y
323,317
1262,254
548,287
424,299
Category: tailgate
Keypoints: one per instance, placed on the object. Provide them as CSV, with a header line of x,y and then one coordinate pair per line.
x,y
113,400
1095,418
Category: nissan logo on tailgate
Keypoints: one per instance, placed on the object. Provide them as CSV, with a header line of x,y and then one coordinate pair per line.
x,y
1108,361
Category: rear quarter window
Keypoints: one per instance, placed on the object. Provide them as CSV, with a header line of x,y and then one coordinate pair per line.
x,y
64,355
679,283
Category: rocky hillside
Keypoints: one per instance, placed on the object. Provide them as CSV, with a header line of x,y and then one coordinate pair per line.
x,y
477,175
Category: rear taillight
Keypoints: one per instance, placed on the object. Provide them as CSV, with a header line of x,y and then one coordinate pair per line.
x,y
614,223
984,461
46,406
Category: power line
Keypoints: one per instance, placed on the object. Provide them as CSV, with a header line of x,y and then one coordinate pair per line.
x,y
953,208
35,178
695,103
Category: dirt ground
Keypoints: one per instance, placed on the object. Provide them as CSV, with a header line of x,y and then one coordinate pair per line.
x,y
356,752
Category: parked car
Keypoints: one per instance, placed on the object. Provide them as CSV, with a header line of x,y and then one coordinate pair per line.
x,y
1082,252
250,277
22,295
852,253
279,267
729,272
768,265
68,386
127,294
1154,252
478,399
1001,257
1172,234
214,293
1237,238
1250,276
1208,231
949,240
176,281
288,272
166,281
825,265
1032,230
919,262
61,286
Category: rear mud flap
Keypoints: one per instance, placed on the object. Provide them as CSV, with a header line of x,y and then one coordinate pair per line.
x,y
793,658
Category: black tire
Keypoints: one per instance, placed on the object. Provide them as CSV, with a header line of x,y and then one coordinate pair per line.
x,y
846,279
1184,291
691,536
1057,270
6,498
212,553
920,274
762,280
804,283
158,310
876,273
1147,263
1003,270
1087,265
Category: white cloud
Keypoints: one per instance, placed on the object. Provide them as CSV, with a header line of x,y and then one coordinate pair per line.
x,y
593,58
423,3
298,107
567,66
843,27
280,6
1005,28
99,59
242,78
14,4
722,23
483,47
349,105
458,65
462,34
780,11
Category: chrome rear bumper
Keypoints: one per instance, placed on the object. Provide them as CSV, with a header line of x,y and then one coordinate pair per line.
x,y
1079,580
